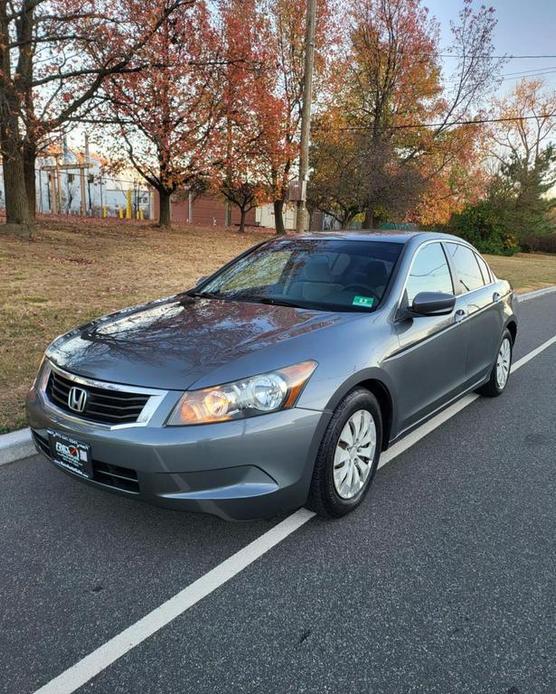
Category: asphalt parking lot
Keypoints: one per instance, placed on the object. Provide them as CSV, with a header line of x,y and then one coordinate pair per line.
x,y
443,581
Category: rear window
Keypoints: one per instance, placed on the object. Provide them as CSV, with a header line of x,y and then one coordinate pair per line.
x,y
326,274
484,269
468,273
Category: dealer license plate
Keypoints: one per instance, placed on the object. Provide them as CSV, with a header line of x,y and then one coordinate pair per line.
x,y
71,454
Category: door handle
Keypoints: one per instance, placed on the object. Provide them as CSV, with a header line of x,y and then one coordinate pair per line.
x,y
460,315
495,297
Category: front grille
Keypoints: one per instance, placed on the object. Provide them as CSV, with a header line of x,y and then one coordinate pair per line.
x,y
115,476
104,405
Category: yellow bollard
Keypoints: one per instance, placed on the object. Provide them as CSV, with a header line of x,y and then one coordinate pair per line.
x,y
128,212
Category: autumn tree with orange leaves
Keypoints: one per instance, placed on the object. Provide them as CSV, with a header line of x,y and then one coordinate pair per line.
x,y
397,119
280,110
238,171
165,115
54,57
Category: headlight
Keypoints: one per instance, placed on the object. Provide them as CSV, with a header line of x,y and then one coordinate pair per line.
x,y
269,392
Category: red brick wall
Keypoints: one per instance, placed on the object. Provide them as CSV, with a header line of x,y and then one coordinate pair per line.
x,y
207,210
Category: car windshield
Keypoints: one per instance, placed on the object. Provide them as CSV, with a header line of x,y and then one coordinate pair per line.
x,y
327,274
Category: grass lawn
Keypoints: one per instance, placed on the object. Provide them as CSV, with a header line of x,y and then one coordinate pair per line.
x,y
74,271
526,271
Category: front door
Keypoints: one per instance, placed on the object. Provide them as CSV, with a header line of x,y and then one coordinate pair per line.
x,y
429,367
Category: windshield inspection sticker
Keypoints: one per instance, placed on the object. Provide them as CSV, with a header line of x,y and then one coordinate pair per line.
x,y
366,301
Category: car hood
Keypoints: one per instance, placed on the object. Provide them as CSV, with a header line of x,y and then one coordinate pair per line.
x,y
173,343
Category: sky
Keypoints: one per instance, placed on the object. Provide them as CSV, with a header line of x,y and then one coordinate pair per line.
x,y
525,27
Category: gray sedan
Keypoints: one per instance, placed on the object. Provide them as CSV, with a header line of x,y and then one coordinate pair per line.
x,y
277,381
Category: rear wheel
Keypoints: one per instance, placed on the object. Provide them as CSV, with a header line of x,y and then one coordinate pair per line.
x,y
501,370
348,456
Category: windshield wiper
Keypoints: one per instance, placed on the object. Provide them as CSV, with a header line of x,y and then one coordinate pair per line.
x,y
207,295
254,298
273,301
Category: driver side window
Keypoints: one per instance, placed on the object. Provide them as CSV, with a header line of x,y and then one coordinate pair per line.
x,y
429,272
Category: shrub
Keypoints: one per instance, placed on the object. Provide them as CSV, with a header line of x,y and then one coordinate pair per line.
x,y
483,226
541,243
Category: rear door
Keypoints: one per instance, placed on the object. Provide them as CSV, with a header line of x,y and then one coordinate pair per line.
x,y
429,368
483,317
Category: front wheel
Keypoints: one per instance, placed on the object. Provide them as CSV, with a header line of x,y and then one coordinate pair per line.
x,y
348,456
501,370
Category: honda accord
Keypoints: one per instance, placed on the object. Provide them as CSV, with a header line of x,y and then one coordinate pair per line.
x,y
278,380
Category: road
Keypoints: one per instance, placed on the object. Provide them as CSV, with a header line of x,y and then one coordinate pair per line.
x,y
443,581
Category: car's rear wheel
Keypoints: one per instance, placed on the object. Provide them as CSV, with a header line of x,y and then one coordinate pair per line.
x,y
501,370
348,456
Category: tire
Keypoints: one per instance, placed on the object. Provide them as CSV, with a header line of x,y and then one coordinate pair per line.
x,y
324,495
493,387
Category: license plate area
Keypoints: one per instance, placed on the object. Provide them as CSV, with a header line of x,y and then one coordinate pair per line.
x,y
70,454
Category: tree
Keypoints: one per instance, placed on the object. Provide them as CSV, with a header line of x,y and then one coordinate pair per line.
x,y
484,225
54,57
516,210
454,175
525,154
337,187
281,110
238,171
165,115
390,90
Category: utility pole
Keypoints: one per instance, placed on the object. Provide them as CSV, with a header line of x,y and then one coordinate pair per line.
x,y
306,114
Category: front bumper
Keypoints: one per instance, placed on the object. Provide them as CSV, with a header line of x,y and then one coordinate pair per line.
x,y
244,469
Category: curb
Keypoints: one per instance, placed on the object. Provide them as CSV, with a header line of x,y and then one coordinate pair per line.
x,y
536,293
19,444
16,445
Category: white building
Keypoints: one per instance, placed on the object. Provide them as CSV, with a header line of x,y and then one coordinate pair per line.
x,y
264,216
69,182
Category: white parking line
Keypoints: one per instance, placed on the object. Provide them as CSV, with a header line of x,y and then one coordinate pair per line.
x,y
97,661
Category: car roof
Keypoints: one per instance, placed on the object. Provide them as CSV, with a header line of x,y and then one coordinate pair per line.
x,y
388,236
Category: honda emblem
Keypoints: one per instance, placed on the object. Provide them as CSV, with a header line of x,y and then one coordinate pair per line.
x,y
77,399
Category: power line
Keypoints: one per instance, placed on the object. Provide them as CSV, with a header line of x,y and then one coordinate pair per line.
x,y
531,74
532,69
477,121
488,55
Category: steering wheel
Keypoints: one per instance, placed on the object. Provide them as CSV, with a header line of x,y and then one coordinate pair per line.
x,y
363,289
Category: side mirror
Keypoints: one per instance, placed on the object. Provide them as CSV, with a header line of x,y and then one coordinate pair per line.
x,y
433,304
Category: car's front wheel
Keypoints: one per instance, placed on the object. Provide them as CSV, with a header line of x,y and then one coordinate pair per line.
x,y
501,370
348,455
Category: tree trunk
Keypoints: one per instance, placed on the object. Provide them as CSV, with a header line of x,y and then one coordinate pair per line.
x,y
29,162
279,217
17,209
165,217
369,221
242,215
